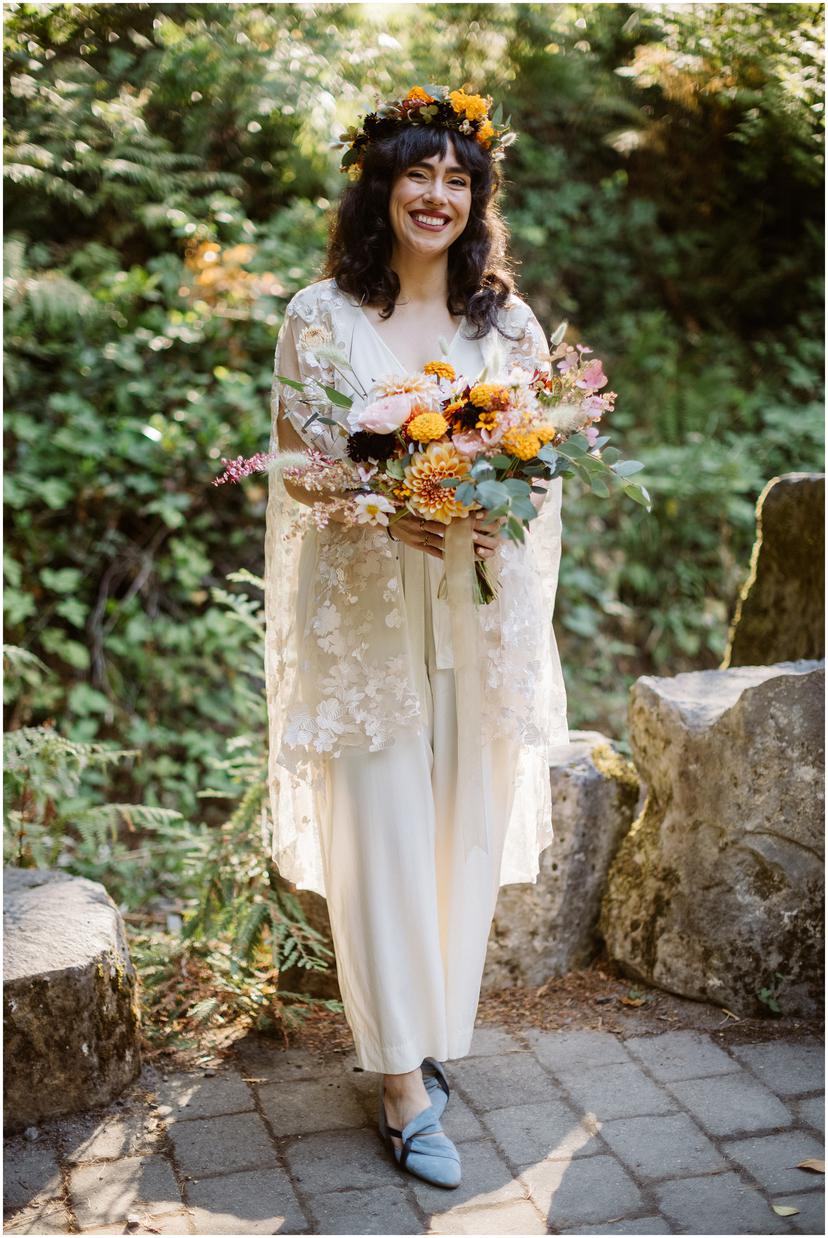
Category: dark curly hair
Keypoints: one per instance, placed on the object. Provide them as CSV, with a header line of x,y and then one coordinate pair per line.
x,y
360,239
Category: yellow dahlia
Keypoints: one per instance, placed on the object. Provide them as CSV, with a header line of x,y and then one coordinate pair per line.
x,y
426,426
441,369
423,475
521,443
489,393
473,107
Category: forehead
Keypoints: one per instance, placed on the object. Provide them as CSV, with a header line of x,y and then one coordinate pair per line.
x,y
435,161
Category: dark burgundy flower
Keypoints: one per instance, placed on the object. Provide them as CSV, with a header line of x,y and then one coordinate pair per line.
x,y
364,445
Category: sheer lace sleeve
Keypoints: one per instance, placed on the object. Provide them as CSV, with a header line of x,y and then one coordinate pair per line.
x,y
532,349
305,329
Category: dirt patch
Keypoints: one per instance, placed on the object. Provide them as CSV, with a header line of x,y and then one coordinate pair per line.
x,y
597,998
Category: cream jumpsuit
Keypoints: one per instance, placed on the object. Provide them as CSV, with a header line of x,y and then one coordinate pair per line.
x,y
410,914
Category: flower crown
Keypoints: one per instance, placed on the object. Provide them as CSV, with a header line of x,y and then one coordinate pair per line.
x,y
430,105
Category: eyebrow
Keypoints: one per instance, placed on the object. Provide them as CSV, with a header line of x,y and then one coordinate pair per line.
x,y
454,168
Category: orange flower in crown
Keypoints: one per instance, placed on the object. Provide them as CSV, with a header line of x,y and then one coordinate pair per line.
x,y
460,110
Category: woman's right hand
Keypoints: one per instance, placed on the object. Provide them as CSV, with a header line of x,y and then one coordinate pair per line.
x,y
419,532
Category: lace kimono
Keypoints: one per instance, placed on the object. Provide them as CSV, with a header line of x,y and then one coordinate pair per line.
x,y
343,657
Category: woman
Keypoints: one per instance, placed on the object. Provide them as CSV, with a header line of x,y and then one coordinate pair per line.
x,y
407,785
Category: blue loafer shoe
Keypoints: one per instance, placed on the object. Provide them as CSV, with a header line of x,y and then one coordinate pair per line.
x,y
436,1084
434,1158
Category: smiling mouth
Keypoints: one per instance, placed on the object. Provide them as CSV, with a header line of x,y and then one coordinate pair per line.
x,y
430,222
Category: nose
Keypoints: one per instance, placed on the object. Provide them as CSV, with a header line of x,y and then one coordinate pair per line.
x,y
435,193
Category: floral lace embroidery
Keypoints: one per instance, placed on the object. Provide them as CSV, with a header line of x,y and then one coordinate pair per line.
x,y
354,679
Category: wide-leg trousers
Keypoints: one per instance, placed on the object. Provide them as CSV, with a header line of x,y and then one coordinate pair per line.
x,y
410,914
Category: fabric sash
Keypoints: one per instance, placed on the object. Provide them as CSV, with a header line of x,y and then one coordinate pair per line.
x,y
470,809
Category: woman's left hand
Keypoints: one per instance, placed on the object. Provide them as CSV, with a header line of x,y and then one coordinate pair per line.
x,y
485,537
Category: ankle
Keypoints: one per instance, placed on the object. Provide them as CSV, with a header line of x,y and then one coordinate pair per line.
x,y
402,1085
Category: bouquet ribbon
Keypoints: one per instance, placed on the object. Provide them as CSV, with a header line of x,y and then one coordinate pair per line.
x,y
471,804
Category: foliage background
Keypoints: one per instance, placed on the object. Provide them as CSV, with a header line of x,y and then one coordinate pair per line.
x,y
169,182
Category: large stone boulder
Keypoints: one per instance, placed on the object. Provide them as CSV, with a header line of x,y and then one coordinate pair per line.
x,y
717,891
780,614
549,927
70,1012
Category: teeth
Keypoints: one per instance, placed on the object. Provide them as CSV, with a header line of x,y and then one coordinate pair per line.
x,y
429,221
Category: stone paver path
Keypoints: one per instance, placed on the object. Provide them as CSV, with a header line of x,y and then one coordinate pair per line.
x,y
575,1132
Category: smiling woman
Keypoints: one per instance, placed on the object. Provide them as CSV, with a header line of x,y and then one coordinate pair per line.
x,y
387,738
380,252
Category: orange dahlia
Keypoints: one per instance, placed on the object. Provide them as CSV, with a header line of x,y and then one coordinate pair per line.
x,y
423,475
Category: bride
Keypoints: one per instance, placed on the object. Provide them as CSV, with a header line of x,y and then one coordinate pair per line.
x,y
409,739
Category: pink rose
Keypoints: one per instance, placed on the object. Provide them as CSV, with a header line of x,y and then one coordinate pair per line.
x,y
385,415
468,442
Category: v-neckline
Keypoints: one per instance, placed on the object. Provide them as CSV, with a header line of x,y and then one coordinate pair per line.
x,y
388,348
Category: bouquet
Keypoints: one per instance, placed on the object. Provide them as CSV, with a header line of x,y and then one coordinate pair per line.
x,y
440,446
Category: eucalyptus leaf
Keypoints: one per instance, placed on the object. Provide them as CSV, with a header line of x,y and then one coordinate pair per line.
x,y
627,467
490,492
524,508
516,485
638,493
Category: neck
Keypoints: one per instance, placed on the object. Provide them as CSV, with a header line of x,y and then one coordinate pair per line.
x,y
423,281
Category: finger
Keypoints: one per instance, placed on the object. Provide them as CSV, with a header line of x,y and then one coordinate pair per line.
x,y
485,540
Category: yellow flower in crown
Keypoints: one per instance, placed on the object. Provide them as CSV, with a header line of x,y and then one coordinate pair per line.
x,y
485,132
428,498
417,93
460,110
473,107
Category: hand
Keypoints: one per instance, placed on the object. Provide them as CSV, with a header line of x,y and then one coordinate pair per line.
x,y
486,536
428,535
417,531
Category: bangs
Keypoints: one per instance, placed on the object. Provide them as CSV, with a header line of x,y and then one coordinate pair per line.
x,y
416,142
